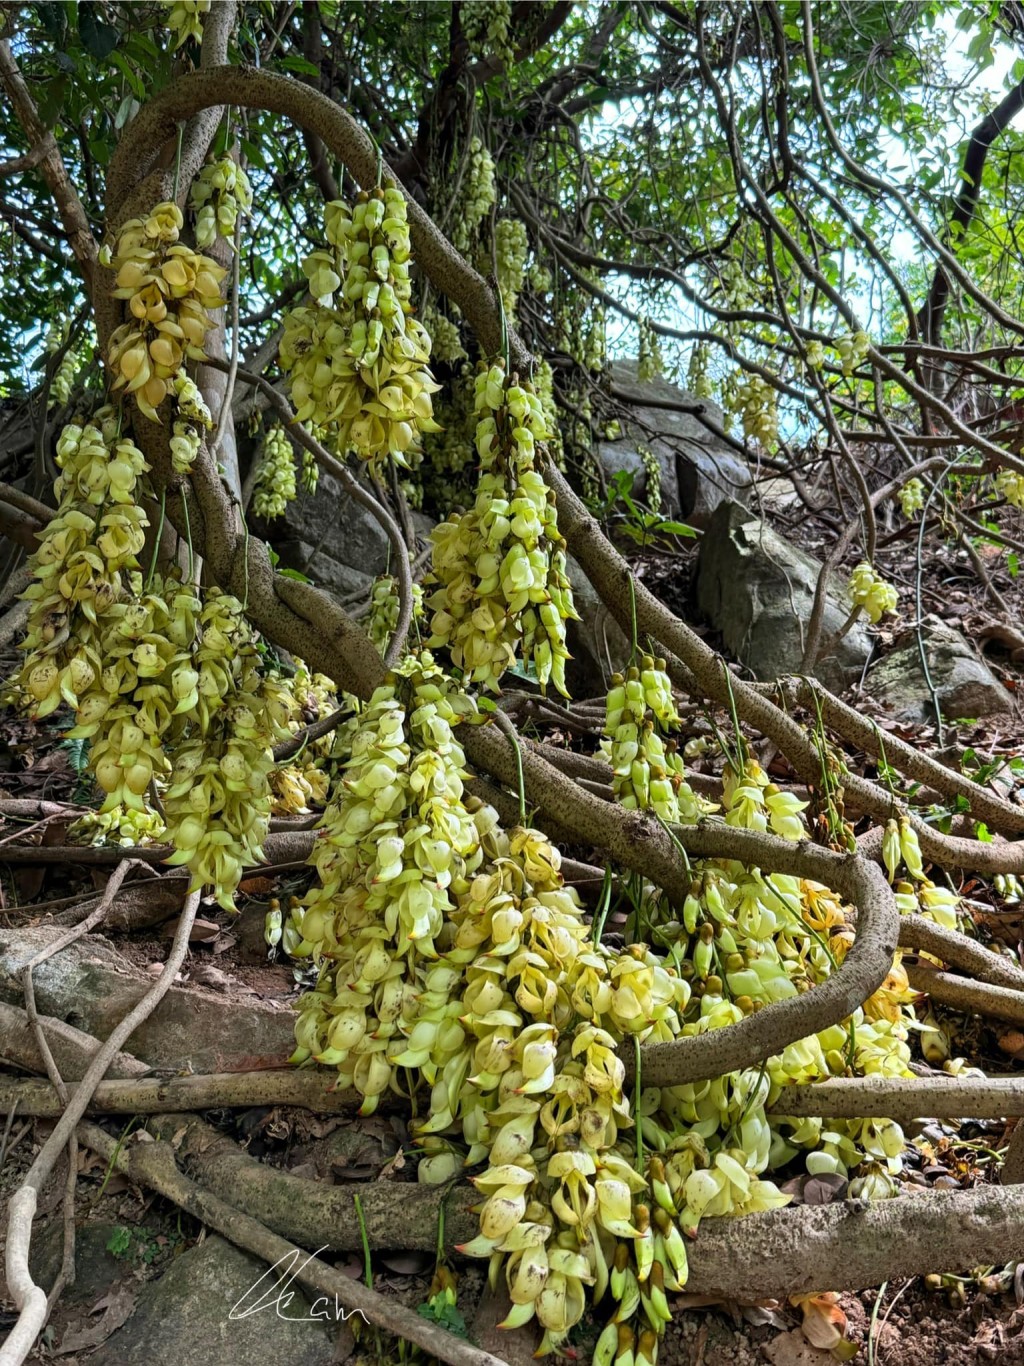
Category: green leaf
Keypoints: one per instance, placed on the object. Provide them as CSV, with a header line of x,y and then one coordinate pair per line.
x,y
126,111
300,65
676,529
135,84
1013,564
294,574
98,38
982,832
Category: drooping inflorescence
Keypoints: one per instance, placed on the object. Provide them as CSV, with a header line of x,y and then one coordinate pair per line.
x,y
356,358
170,289
501,567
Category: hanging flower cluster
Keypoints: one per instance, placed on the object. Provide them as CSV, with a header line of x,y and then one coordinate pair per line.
x,y
486,26
220,194
445,337
165,683
64,375
511,248
83,563
649,363
647,769
191,419
852,350
304,782
384,605
170,289
274,488
185,20
870,591
1010,485
356,358
698,381
912,497
757,403
502,566
476,198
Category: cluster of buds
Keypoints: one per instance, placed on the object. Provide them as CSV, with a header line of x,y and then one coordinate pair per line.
x,y
191,419
652,476
445,337
912,497
501,566
64,375
356,358
511,248
649,363
870,591
384,606
698,381
757,403
220,194
486,26
85,557
274,487
185,20
852,350
170,289
544,383
477,196
1010,485
648,772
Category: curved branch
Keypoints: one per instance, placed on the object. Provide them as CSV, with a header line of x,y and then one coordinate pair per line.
x,y
929,320
960,951
641,843
975,998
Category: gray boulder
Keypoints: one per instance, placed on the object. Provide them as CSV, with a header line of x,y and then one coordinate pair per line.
x,y
756,589
698,469
92,986
963,682
334,540
196,1312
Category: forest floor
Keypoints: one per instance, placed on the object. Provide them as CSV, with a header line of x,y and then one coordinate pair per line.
x,y
969,1320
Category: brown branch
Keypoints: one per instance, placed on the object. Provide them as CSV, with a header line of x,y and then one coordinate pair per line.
x,y
975,998
901,1098
760,1256
72,1049
312,1090
959,951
